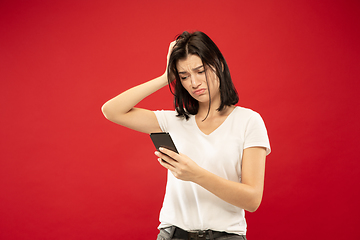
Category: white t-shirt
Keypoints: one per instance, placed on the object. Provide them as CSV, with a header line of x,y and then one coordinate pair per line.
x,y
188,205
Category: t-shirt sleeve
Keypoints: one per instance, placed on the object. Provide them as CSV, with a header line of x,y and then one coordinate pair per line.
x,y
161,118
256,133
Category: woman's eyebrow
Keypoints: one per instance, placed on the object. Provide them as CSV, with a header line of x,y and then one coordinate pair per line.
x,y
194,69
197,68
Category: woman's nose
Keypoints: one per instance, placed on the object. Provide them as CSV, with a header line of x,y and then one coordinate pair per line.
x,y
194,81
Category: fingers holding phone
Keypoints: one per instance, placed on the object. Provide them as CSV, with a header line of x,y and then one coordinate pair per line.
x,y
181,166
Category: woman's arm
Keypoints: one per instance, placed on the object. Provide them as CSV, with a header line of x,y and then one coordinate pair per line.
x,y
121,109
246,195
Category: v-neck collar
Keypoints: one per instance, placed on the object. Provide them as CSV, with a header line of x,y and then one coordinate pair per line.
x,y
216,129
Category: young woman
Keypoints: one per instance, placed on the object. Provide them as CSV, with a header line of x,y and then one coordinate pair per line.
x,y
219,171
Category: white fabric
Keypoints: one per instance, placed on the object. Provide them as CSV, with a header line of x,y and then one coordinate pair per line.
x,y
188,205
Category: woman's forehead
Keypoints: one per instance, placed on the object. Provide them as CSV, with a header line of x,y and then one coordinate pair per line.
x,y
191,62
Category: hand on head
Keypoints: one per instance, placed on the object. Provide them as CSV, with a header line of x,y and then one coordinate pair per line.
x,y
171,47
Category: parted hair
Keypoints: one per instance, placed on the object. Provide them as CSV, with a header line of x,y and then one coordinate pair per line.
x,y
198,43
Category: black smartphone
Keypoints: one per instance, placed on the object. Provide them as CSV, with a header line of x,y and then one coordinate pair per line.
x,y
163,139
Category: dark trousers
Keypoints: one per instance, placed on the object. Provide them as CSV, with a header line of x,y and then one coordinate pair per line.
x,y
175,233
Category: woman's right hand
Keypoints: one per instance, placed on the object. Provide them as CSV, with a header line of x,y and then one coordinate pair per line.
x,y
121,109
171,46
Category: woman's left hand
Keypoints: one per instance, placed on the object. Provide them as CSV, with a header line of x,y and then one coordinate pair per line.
x,y
181,166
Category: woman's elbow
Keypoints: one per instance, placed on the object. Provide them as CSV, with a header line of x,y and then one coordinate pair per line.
x,y
253,207
106,111
254,204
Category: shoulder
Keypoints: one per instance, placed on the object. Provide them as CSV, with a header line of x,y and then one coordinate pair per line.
x,y
245,112
168,120
248,118
169,114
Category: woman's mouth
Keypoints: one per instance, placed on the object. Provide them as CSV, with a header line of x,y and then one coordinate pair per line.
x,y
199,91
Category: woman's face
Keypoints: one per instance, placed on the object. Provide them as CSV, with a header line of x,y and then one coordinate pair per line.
x,y
193,78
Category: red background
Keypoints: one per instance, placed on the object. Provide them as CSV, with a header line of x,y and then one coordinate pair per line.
x,y
68,173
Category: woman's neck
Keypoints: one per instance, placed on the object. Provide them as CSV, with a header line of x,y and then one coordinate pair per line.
x,y
204,111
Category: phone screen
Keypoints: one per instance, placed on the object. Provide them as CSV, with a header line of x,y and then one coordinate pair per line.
x,y
163,139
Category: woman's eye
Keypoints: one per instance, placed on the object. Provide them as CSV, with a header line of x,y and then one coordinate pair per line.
x,y
183,78
201,71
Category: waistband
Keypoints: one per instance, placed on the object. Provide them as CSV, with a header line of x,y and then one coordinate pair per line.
x,y
176,232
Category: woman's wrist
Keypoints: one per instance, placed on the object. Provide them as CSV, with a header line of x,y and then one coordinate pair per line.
x,y
164,79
